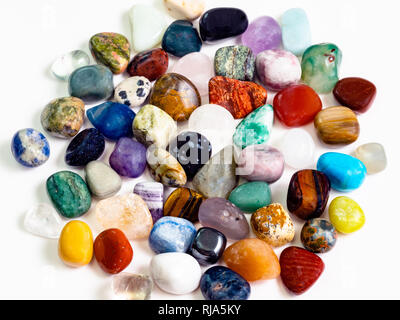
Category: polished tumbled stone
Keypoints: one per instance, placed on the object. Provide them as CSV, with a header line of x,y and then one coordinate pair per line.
x,y
250,197
373,156
153,194
63,67
132,286
102,181
42,220
133,91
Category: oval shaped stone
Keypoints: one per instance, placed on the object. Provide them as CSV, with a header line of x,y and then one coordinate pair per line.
x,y
69,194
87,146
102,181
221,283
346,215
133,91
251,196
112,50
208,246
235,62
153,194
91,83
172,234
150,64
345,172
42,220
296,31
132,286
308,194
63,118
298,149
373,156
63,67
318,236
183,203
185,9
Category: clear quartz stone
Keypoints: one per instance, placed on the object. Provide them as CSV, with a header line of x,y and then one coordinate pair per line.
x,y
43,220
63,67
373,156
132,286
298,149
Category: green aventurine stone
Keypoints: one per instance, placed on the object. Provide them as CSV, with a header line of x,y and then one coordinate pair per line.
x,y
255,128
250,197
69,194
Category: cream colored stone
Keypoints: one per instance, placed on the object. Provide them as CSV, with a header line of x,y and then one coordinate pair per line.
x,y
373,156
185,9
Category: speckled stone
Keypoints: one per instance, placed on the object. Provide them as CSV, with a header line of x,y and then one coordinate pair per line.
x,y
102,181
318,235
133,91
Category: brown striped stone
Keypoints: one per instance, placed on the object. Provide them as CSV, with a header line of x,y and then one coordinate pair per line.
x,y
184,203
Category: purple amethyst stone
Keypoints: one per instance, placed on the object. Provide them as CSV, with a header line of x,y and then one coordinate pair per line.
x,y
153,194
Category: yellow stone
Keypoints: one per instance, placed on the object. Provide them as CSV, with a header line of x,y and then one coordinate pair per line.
x,y
346,215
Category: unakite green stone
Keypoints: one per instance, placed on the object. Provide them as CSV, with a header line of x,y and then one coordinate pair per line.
x,y
69,194
255,128
250,197
235,62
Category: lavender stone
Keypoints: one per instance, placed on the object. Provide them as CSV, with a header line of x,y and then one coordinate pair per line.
x,y
153,194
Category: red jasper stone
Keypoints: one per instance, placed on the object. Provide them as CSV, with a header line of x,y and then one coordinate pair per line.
x,y
297,105
113,251
355,93
239,97
150,64
300,269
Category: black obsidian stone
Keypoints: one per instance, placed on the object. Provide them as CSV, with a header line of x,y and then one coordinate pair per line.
x,y
222,23
87,146
192,150
208,246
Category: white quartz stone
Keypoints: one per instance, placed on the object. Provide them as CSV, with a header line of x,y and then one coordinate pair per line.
x,y
44,221
373,156
298,149
63,67
185,9
132,286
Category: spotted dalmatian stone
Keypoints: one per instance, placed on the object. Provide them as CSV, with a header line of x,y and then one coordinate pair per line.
x,y
133,91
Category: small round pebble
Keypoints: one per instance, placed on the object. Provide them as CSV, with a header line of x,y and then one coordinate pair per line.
x,y
102,181
318,236
298,149
373,156
208,246
66,64
346,215
132,286
44,221
133,91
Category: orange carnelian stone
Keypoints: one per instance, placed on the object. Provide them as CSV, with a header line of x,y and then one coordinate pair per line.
x,y
253,259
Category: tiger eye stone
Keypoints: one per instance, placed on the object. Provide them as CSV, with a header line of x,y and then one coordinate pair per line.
x,y
337,125
176,95
184,203
308,194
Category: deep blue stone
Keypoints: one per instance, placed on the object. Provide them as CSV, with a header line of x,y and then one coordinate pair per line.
x,y
181,38
87,146
221,283
113,120
208,246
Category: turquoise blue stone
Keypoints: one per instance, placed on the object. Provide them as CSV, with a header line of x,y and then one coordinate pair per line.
x,y
296,31
113,120
345,172
181,38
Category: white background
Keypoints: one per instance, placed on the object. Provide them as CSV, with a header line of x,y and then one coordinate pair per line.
x,y
363,265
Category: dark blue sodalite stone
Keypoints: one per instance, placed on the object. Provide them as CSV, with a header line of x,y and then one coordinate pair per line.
x,y
87,146
208,246
181,38
221,283
113,120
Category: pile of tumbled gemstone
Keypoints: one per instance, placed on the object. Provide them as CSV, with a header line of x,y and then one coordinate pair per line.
x,y
215,199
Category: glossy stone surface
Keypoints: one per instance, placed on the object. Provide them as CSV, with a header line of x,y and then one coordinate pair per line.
x,y
175,272
318,236
239,97
42,220
300,269
221,283
69,194
345,172
337,125
75,246
150,64
235,62
66,64
296,31
113,120
111,50
103,182
165,168
298,149
153,194
373,156
320,65
184,203
261,163
224,216
208,246
278,69
297,105
355,93
273,225
128,158
30,148
127,212
171,234
132,286
91,83
133,91
176,95
253,259
256,128
185,9
308,194
222,23
63,118
251,196
87,146
153,126
192,150
264,33
112,251
218,177
346,215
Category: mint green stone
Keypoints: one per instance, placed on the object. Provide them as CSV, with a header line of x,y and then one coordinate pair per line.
x,y
69,194
320,66
255,128
250,197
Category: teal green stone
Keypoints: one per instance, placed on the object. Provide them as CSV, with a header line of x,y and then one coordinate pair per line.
x,y
256,128
235,62
320,67
69,194
250,197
